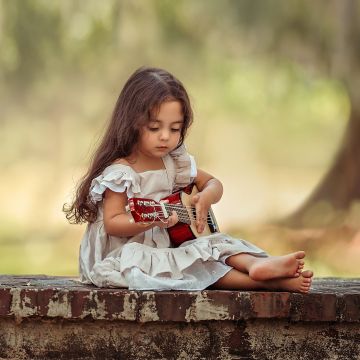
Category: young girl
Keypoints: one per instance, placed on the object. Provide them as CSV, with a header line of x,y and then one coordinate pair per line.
x,y
142,155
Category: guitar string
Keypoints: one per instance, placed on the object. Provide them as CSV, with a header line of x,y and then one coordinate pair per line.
x,y
177,208
185,214
180,210
184,218
181,220
167,205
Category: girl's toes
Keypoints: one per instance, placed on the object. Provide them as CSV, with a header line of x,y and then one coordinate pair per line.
x,y
308,274
300,254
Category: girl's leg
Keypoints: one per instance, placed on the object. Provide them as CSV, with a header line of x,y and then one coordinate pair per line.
x,y
236,280
267,268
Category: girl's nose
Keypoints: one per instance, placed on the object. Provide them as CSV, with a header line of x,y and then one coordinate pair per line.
x,y
164,134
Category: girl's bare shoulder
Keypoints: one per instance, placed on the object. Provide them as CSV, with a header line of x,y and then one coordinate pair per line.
x,y
126,162
122,161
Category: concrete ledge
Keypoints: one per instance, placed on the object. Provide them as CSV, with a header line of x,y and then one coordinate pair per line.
x,y
66,298
47,317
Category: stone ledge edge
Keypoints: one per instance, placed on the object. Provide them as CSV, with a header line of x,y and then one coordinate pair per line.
x,y
149,306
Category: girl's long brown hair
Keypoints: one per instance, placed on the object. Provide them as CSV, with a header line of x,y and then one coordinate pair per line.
x,y
142,94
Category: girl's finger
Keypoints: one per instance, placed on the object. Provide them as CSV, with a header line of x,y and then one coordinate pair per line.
x,y
175,217
198,214
199,220
202,221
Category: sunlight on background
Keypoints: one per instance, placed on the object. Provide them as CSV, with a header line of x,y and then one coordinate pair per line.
x,y
267,128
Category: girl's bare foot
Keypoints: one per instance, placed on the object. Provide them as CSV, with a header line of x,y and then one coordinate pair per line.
x,y
274,267
300,284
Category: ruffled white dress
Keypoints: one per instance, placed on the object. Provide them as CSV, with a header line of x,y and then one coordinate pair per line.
x,y
148,261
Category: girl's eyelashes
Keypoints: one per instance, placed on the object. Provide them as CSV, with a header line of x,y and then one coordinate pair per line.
x,y
154,129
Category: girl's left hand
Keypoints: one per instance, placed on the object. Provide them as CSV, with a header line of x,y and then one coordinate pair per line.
x,y
169,222
202,206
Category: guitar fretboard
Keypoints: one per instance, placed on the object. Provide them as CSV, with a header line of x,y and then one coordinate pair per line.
x,y
181,212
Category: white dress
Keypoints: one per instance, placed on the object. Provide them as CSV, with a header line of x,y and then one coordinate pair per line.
x,y
148,261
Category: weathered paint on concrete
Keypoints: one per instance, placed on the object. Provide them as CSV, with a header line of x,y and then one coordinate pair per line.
x,y
45,317
66,298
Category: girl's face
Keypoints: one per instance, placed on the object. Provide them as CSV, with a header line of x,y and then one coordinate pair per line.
x,y
162,133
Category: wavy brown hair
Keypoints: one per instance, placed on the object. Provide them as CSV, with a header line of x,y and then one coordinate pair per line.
x,y
143,93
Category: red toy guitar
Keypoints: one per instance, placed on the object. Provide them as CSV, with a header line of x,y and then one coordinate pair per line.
x,y
148,211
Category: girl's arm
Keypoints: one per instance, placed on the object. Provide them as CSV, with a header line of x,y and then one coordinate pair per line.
x,y
210,192
117,221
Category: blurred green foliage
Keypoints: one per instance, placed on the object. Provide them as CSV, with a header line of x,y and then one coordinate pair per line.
x,y
269,125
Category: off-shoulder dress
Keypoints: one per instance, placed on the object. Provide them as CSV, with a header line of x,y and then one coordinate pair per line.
x,y
148,261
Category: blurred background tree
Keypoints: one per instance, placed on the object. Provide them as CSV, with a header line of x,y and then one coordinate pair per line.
x,y
329,46
274,89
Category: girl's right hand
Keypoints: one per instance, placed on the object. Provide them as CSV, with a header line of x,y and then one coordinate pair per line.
x,y
169,222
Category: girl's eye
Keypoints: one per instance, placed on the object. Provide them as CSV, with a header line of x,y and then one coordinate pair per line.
x,y
175,130
153,129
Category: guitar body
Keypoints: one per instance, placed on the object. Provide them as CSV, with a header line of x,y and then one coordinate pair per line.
x,y
148,211
182,232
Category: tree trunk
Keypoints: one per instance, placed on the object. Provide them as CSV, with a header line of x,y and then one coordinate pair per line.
x,y
341,185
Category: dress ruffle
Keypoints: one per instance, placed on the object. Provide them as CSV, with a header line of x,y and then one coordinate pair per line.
x,y
184,165
170,264
118,178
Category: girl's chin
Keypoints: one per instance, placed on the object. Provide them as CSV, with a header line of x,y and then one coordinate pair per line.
x,y
157,154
